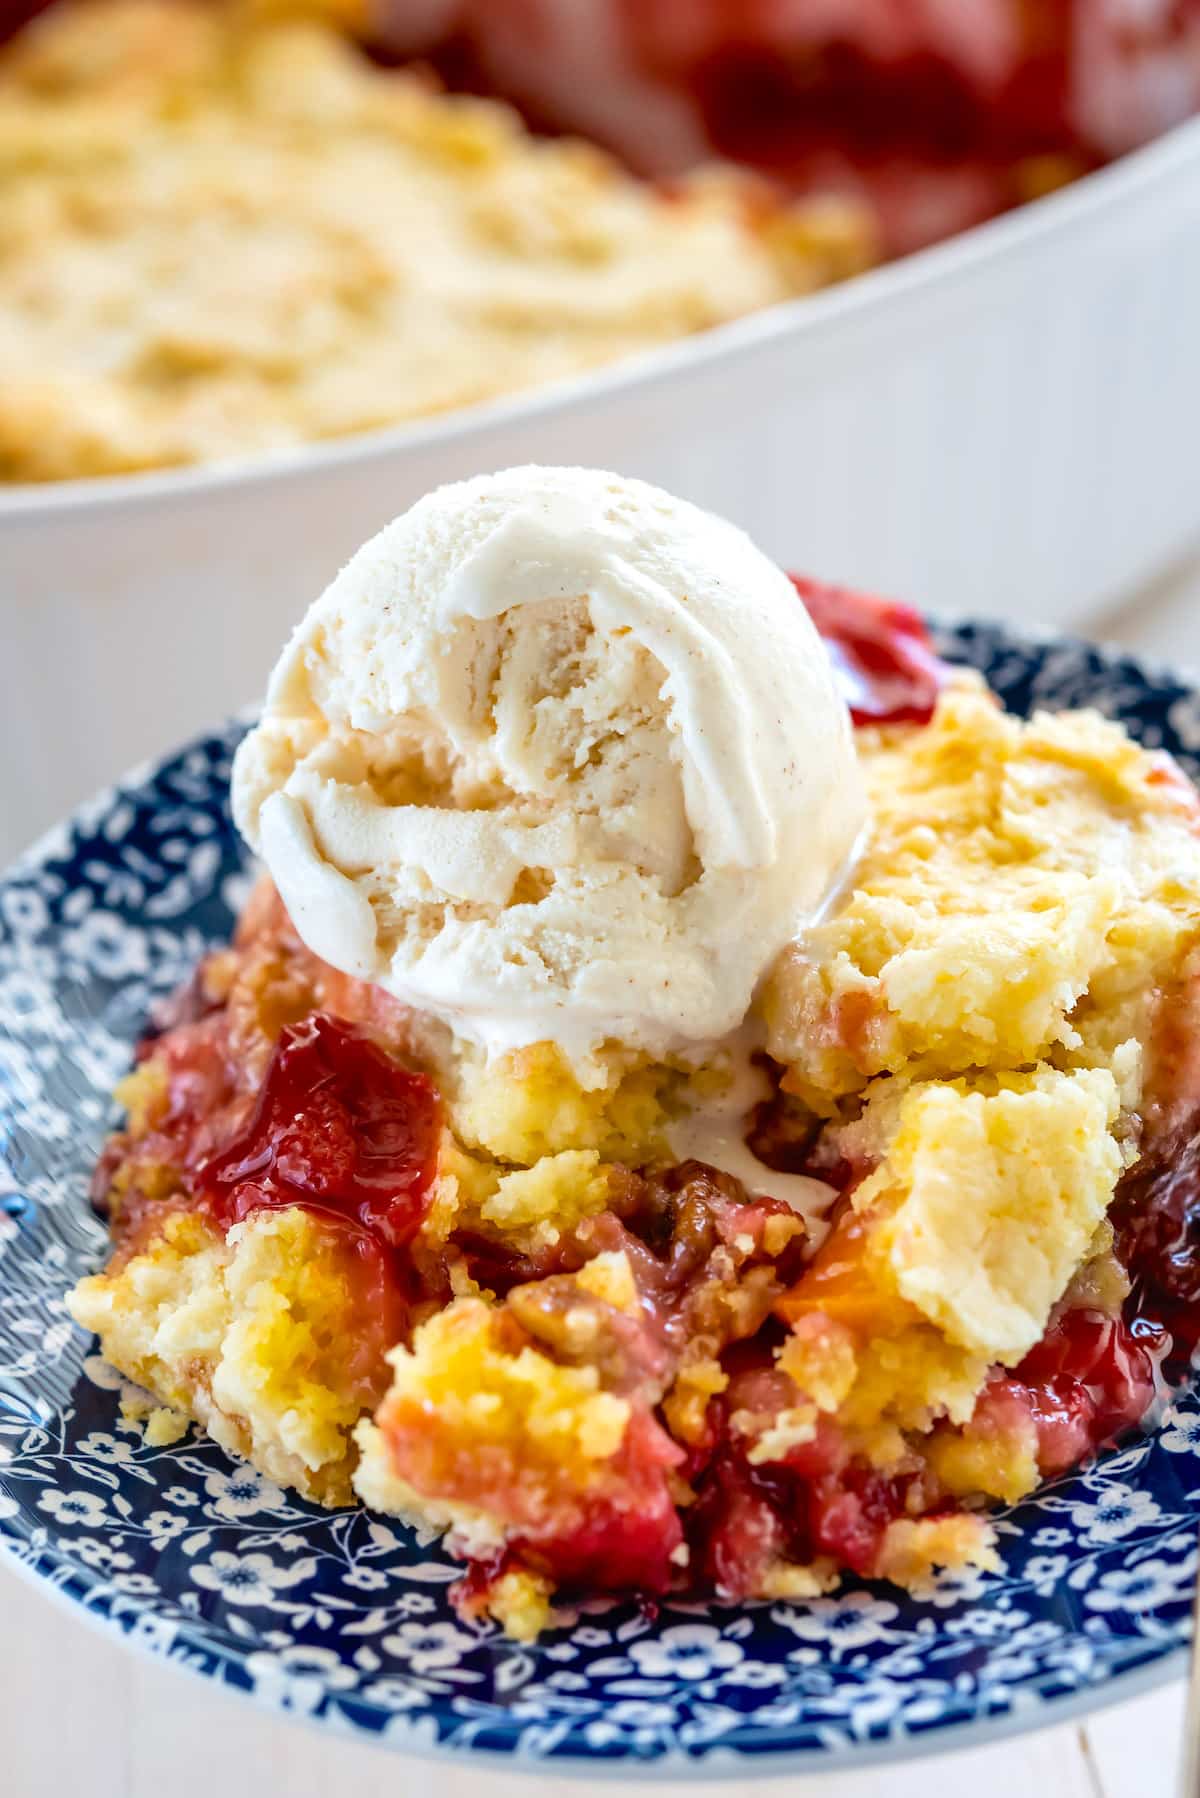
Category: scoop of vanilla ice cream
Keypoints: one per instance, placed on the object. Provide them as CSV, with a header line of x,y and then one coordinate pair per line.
x,y
556,756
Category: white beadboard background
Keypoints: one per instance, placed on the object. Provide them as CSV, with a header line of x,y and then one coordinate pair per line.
x,y
79,1714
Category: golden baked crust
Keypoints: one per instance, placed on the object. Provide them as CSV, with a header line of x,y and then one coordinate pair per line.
x,y
247,1334
1025,892
225,232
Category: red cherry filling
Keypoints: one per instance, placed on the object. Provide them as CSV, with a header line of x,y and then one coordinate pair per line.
x,y
1157,1219
883,660
623,1543
340,1128
1085,1383
813,1501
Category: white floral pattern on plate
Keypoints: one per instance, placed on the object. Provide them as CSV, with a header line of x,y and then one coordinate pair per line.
x,y
344,1616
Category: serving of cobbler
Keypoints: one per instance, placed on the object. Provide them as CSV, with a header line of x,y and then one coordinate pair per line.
x,y
939,1255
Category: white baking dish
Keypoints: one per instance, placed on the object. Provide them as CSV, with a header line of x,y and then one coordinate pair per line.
x,y
1008,423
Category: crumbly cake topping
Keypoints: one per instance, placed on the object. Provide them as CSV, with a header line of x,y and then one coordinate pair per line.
x,y
1025,891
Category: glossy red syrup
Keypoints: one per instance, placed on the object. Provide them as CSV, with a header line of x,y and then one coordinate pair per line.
x,y
339,1128
1156,1216
885,665
1089,1380
342,1130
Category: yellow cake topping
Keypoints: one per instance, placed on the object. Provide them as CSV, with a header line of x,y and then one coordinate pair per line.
x,y
225,232
1024,891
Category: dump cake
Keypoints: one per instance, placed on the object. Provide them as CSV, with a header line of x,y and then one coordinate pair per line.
x,y
225,232
934,114
700,1101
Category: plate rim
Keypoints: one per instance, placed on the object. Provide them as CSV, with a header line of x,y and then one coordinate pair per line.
x,y
715,1764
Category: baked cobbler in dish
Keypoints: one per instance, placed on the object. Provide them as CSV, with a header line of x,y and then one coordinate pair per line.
x,y
224,232
935,113
790,1245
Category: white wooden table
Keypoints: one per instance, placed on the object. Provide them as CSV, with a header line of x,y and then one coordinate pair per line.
x,y
79,1714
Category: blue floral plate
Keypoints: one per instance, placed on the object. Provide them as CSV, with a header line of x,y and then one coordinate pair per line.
x,y
344,1617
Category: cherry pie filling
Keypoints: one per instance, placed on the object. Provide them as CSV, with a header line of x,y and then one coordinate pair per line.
x,y
336,1124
